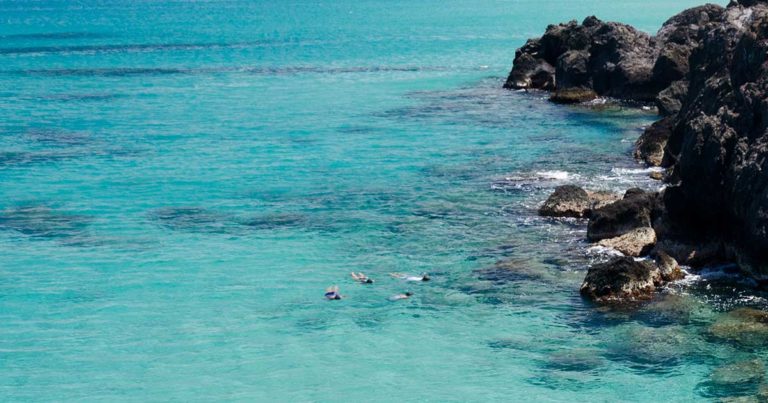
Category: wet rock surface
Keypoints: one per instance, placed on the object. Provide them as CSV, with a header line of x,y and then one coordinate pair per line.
x,y
635,243
621,280
573,201
636,210
567,201
668,266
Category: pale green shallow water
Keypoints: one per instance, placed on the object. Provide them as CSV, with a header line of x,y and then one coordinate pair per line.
x,y
181,181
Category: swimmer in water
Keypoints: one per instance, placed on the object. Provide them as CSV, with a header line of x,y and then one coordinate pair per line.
x,y
332,293
361,278
406,277
401,296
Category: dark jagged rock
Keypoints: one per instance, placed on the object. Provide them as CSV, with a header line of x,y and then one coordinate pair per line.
x,y
621,280
636,210
676,40
591,59
580,62
652,143
531,71
670,100
721,137
566,201
691,253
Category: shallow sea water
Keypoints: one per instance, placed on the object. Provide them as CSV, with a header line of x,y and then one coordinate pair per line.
x,y
182,180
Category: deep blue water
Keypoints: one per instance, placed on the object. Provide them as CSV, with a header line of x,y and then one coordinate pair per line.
x,y
180,182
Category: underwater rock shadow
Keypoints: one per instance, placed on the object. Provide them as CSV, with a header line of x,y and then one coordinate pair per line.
x,y
202,220
50,136
39,221
56,35
84,97
123,48
24,158
191,219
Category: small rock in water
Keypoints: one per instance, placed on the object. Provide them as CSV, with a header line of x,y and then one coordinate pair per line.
x,y
634,243
566,201
621,280
656,175
573,96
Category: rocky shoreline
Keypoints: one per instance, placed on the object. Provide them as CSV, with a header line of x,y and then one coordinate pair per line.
x,y
706,70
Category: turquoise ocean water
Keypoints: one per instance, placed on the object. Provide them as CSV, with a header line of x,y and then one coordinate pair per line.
x,y
180,181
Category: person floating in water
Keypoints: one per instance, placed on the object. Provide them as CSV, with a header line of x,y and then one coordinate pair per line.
x,y
332,293
362,278
406,277
401,296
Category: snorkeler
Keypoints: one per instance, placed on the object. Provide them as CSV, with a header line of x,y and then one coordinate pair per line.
x,y
421,277
361,278
332,293
400,296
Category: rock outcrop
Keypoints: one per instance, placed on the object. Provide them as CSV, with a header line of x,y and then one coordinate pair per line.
x,y
566,201
635,243
637,209
720,138
651,145
707,71
621,280
675,42
580,62
573,201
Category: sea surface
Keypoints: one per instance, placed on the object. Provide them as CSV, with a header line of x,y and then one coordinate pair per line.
x,y
180,181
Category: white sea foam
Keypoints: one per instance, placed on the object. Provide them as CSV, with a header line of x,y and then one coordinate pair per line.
x,y
599,250
713,274
556,175
635,171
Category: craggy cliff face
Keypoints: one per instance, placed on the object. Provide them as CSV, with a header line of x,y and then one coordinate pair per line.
x,y
706,70
721,138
